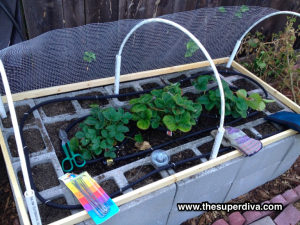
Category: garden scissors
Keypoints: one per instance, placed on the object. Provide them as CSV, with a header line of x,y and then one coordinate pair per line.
x,y
66,147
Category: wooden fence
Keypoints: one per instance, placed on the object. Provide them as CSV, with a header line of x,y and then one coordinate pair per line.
x,y
44,15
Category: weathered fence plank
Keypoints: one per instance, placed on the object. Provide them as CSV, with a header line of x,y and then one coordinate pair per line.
x,y
42,16
73,13
99,11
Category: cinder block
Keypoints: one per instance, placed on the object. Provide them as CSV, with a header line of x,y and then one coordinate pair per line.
x,y
176,217
251,216
267,156
290,196
289,216
264,221
236,218
278,199
283,167
242,186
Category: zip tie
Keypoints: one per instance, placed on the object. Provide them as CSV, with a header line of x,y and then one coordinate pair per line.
x,y
117,147
121,191
174,165
26,113
47,201
24,147
152,149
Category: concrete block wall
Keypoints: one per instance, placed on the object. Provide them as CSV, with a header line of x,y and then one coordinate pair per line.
x,y
214,185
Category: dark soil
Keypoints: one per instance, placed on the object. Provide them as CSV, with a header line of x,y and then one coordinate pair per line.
x,y
273,107
50,214
266,128
20,110
249,133
186,154
207,148
59,108
8,211
191,96
85,103
183,84
109,186
125,91
137,173
149,86
33,140
244,84
252,118
44,177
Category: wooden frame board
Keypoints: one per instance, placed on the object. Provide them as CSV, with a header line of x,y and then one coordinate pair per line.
x,y
81,216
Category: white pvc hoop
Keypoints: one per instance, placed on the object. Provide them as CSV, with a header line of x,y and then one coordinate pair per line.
x,y
221,130
238,43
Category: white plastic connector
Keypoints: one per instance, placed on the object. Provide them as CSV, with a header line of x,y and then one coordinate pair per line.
x,y
117,75
236,48
217,143
29,194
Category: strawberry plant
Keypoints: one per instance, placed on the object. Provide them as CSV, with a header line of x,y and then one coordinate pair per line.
x,y
165,107
236,103
100,132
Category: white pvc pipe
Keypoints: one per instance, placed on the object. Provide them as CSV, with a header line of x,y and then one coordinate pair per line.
x,y
221,130
237,45
29,193
2,109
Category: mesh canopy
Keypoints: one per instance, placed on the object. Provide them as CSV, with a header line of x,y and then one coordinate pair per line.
x,y
57,57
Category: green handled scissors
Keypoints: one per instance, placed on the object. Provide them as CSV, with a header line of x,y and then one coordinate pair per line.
x,y
66,147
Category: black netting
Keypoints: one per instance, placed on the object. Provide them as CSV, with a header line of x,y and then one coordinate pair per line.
x,y
56,57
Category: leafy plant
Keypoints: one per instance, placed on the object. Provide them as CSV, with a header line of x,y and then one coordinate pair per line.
x,y
236,103
165,107
243,9
274,60
89,56
191,47
222,9
100,132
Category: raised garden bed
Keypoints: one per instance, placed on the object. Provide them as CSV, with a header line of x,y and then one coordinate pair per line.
x,y
192,182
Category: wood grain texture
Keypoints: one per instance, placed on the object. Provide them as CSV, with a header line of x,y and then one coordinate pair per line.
x,y
99,11
73,13
42,16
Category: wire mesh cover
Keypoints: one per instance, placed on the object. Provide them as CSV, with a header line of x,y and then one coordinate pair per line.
x,y
57,57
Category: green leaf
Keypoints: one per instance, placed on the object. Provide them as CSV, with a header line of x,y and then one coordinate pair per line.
x,y
134,101
178,99
85,141
252,43
169,121
112,128
111,134
157,93
268,100
204,99
256,97
96,140
261,106
109,142
209,106
94,105
241,104
122,128
87,155
74,144
147,114
95,146
92,131
159,102
166,97
185,127
222,9
261,65
103,144
138,108
119,136
191,46
79,135
155,125
145,98
138,138
238,14
185,117
90,121
98,151
202,83
104,133
253,104
143,124
242,93
112,155
244,8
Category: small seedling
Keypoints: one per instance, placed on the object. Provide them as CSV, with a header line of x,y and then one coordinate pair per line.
x,y
89,56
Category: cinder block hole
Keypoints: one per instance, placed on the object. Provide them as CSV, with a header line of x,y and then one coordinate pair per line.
x,y
186,154
44,177
226,69
126,91
266,128
149,86
191,96
109,186
257,116
138,172
249,133
50,214
179,78
53,131
33,140
273,107
59,108
20,110
85,103
244,84
207,148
